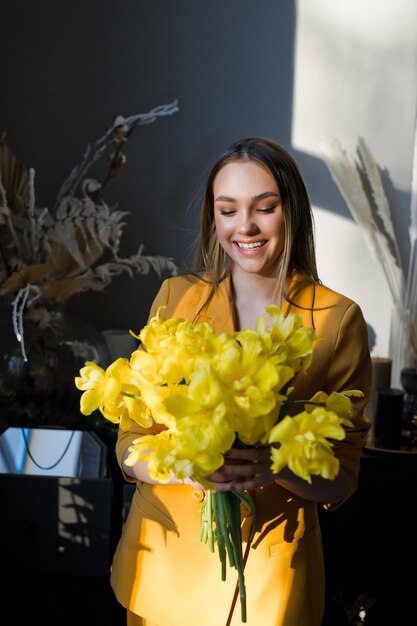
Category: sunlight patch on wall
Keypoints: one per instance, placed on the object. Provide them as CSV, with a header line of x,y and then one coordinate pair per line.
x,y
346,265
355,75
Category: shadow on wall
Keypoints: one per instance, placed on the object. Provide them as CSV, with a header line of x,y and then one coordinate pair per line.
x,y
371,337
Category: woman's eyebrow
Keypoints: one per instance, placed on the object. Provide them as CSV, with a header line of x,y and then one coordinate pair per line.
x,y
261,196
224,199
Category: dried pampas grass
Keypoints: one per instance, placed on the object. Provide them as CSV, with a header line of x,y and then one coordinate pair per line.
x,y
359,181
360,184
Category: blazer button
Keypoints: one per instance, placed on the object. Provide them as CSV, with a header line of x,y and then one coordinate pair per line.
x,y
198,495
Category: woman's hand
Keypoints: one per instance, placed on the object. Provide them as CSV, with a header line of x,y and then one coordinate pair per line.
x,y
248,468
244,468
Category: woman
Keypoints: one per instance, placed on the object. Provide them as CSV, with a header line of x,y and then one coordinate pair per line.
x,y
256,247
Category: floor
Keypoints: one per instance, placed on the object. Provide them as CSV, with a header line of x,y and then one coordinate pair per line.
x,y
58,600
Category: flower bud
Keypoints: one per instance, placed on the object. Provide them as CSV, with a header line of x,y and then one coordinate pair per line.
x,y
91,187
120,128
117,160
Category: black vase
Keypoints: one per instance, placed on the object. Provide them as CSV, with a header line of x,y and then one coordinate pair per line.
x,y
409,384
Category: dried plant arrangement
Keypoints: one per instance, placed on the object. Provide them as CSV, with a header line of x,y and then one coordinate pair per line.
x,y
47,256
359,181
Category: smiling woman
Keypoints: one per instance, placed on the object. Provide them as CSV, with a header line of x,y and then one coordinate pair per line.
x,y
255,249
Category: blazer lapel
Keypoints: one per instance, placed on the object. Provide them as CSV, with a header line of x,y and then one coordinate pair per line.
x,y
220,310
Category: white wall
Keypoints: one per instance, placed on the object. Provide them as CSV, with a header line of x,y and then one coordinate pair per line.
x,y
355,76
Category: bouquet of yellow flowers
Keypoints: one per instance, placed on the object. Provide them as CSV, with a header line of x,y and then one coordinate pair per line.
x,y
212,392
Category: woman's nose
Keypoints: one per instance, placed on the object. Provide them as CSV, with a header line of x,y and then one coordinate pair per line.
x,y
247,224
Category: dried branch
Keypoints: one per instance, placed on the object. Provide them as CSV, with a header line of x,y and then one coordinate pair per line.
x,y
55,255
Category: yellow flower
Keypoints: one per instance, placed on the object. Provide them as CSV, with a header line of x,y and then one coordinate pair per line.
x,y
149,448
91,381
192,452
104,389
338,402
153,389
177,346
252,384
305,448
288,340
122,400
202,413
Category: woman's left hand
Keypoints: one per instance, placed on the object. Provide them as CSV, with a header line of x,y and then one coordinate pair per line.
x,y
244,468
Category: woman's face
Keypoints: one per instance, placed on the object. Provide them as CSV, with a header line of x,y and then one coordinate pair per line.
x,y
249,217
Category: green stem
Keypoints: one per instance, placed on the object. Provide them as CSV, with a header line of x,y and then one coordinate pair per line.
x,y
224,510
219,534
130,395
225,521
210,532
308,402
237,545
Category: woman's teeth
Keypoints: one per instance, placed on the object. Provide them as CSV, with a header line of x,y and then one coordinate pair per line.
x,y
250,246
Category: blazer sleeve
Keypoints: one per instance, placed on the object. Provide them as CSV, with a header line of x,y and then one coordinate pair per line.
x,y
351,368
125,437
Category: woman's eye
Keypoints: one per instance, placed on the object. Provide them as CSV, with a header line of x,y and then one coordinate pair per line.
x,y
227,211
270,209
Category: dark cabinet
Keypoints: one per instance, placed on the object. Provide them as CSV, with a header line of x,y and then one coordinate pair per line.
x,y
58,532
370,545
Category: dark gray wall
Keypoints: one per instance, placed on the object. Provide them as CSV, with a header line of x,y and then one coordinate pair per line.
x,y
67,67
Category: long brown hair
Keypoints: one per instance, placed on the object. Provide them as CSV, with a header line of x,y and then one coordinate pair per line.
x,y
299,246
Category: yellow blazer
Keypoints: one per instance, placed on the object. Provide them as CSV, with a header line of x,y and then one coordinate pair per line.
x,y
162,572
